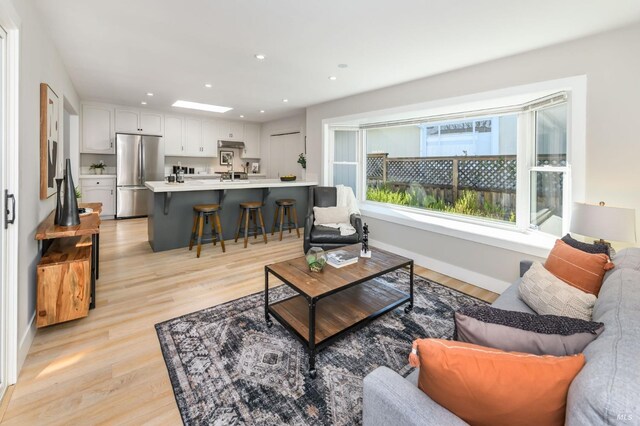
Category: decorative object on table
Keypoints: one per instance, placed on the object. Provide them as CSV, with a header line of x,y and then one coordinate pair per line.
x,y
316,259
288,178
58,216
85,211
341,258
250,359
70,215
516,331
365,252
50,145
78,193
226,158
302,160
97,168
606,223
255,167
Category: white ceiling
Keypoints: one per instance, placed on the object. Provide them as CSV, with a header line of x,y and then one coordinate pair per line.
x,y
118,50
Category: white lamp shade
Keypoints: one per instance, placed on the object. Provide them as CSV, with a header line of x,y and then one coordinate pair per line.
x,y
607,223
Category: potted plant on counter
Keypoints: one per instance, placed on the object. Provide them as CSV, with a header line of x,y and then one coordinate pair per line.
x,y
302,160
97,168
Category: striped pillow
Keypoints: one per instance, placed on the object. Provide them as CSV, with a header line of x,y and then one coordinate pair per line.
x,y
581,270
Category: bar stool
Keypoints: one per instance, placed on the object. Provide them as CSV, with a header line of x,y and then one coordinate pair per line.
x,y
202,212
252,212
286,206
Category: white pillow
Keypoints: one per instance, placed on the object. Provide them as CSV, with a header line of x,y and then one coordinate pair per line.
x,y
330,215
549,295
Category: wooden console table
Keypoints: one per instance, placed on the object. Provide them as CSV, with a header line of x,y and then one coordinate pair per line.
x,y
89,226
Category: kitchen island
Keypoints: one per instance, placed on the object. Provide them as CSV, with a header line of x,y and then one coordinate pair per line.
x,y
170,207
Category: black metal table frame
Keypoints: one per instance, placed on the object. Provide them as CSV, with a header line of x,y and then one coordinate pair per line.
x,y
310,341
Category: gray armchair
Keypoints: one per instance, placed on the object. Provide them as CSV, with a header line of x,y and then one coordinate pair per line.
x,y
323,236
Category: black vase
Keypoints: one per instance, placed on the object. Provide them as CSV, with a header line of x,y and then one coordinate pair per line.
x,y
58,216
70,214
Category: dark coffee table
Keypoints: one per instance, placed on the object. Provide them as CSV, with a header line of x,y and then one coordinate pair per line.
x,y
335,301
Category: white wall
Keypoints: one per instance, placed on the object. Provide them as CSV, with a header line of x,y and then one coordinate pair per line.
x,y
612,67
39,63
296,123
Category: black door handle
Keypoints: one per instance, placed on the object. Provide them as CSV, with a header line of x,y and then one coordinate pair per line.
x,y
8,221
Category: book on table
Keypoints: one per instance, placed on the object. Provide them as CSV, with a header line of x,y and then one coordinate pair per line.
x,y
341,258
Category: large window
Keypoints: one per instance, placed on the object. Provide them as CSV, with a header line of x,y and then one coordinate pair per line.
x,y
507,167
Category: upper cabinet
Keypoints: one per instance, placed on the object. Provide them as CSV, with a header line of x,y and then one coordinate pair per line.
x,y
174,136
231,131
251,141
210,132
97,130
193,137
130,120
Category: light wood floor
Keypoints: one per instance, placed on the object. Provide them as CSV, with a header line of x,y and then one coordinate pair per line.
x,y
108,368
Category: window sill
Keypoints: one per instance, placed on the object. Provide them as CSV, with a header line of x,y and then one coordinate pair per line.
x,y
528,242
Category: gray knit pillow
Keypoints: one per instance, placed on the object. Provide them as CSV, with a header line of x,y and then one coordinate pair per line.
x,y
524,332
549,295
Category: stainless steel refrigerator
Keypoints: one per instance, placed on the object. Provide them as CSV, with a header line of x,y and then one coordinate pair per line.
x,y
139,159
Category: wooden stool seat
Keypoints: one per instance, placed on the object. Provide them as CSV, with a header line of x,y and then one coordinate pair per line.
x,y
206,208
202,212
252,212
251,205
286,207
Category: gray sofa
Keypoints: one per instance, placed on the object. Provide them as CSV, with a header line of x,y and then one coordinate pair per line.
x,y
605,392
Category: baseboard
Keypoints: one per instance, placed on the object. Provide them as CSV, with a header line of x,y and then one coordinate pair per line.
x,y
25,343
484,281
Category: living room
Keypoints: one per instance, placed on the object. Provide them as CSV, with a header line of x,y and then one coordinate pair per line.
x,y
471,142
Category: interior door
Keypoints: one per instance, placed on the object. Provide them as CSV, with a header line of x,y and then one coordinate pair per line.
x,y
6,207
284,152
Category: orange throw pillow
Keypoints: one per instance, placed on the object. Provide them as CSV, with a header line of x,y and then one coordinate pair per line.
x,y
485,386
581,270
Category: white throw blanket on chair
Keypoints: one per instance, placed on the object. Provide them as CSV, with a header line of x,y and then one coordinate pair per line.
x,y
345,198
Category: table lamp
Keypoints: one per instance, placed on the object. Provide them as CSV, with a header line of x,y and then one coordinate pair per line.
x,y
606,223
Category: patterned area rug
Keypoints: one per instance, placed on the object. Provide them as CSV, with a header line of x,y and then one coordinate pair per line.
x,y
228,368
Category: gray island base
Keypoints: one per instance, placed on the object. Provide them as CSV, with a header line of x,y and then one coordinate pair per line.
x,y
171,207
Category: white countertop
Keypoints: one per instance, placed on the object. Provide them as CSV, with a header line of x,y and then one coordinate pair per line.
x,y
212,184
94,176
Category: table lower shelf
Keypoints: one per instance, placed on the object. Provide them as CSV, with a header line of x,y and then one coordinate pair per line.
x,y
340,311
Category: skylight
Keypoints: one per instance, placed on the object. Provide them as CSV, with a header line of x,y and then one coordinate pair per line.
x,y
202,107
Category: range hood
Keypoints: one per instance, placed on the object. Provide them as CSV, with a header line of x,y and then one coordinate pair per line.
x,y
230,144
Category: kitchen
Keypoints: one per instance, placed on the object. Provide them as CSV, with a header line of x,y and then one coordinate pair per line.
x,y
191,142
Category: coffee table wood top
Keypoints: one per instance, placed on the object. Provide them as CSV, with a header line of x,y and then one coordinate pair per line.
x,y
319,284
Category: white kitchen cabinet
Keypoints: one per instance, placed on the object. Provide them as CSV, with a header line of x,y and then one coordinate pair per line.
x,y
210,132
231,131
251,141
130,120
174,144
193,137
97,130
100,190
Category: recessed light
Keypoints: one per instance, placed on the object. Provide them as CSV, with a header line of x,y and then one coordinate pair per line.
x,y
201,107
260,56
261,111
333,78
285,100
242,116
143,103
342,65
208,85
149,94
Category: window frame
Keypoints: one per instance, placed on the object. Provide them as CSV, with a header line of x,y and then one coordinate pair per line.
x,y
525,154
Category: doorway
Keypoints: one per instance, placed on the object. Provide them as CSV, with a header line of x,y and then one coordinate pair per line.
x,y
284,149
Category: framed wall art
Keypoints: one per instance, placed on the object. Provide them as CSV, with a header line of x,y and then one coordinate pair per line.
x,y
50,145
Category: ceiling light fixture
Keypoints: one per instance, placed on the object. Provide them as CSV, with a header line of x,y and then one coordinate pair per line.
x,y
342,65
241,116
143,103
201,107
149,94
261,111
333,78
285,100
260,56
208,85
